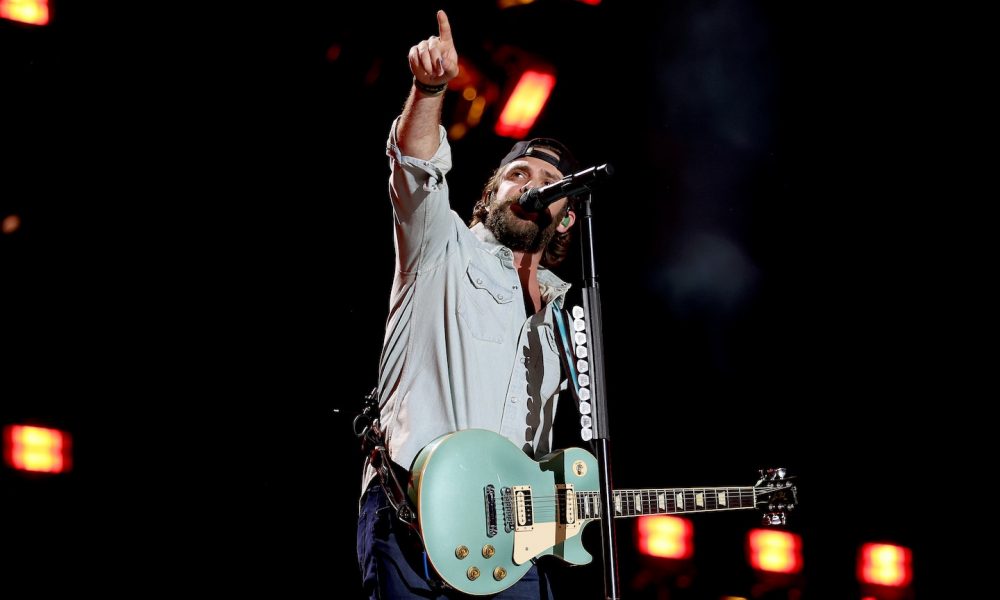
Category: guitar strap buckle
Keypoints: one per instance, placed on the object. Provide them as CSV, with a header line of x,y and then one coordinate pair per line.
x,y
395,490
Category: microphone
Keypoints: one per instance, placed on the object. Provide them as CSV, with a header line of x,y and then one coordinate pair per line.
x,y
536,199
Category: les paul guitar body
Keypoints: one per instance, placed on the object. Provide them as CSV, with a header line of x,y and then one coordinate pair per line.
x,y
485,509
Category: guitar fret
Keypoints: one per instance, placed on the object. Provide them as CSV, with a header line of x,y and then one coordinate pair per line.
x,y
630,503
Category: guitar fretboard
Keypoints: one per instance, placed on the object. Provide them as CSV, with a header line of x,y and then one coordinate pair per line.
x,y
633,503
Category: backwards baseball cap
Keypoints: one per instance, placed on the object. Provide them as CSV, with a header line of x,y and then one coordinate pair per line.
x,y
547,149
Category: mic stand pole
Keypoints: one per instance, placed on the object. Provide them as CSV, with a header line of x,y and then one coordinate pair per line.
x,y
592,309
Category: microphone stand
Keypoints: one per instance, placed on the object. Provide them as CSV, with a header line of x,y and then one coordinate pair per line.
x,y
592,309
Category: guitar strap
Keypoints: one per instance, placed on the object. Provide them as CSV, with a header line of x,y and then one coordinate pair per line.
x,y
366,427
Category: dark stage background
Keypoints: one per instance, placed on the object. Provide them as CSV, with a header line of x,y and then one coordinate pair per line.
x,y
199,287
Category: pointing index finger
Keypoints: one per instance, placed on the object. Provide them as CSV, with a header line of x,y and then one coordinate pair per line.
x,y
444,27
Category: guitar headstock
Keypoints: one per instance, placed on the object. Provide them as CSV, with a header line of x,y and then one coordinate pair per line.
x,y
776,495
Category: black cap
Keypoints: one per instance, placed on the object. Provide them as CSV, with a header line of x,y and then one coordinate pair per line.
x,y
544,148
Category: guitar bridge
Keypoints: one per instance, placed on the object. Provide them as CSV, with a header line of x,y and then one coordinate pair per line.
x,y
491,510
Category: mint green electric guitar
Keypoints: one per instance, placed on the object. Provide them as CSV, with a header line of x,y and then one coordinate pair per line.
x,y
486,510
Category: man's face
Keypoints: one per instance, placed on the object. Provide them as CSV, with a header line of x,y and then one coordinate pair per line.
x,y
510,224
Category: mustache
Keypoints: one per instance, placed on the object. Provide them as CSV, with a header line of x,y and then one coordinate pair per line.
x,y
543,219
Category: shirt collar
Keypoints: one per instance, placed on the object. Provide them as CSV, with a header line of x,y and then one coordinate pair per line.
x,y
551,287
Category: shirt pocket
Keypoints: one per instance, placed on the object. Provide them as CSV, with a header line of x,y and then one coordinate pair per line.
x,y
484,305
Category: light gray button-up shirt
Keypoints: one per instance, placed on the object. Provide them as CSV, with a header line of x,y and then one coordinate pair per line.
x,y
459,351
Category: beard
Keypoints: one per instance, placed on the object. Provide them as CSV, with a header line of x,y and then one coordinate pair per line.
x,y
519,234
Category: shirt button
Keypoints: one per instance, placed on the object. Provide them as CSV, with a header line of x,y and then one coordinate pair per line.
x,y
513,399
515,287
479,281
523,359
499,296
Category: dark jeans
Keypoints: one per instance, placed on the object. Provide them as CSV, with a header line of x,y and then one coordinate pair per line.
x,y
393,564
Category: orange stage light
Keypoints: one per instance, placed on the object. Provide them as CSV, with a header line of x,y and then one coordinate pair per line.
x,y
775,551
665,537
37,449
525,103
32,12
885,564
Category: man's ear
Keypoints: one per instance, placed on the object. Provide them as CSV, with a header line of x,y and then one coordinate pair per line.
x,y
567,222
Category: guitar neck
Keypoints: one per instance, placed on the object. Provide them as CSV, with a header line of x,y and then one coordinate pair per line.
x,y
671,501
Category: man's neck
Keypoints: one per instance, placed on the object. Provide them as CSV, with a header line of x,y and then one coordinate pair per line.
x,y
527,270
527,263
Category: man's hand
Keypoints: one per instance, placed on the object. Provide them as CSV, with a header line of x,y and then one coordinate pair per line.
x,y
434,61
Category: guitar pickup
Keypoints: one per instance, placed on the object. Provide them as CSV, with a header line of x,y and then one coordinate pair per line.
x,y
566,496
524,519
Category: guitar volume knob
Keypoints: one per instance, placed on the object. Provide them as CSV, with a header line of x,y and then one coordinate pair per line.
x,y
499,573
489,551
472,573
461,552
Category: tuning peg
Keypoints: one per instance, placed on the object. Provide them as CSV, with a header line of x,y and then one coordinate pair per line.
x,y
775,474
773,519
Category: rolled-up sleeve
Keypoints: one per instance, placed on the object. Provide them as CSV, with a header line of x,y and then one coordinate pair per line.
x,y
419,193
